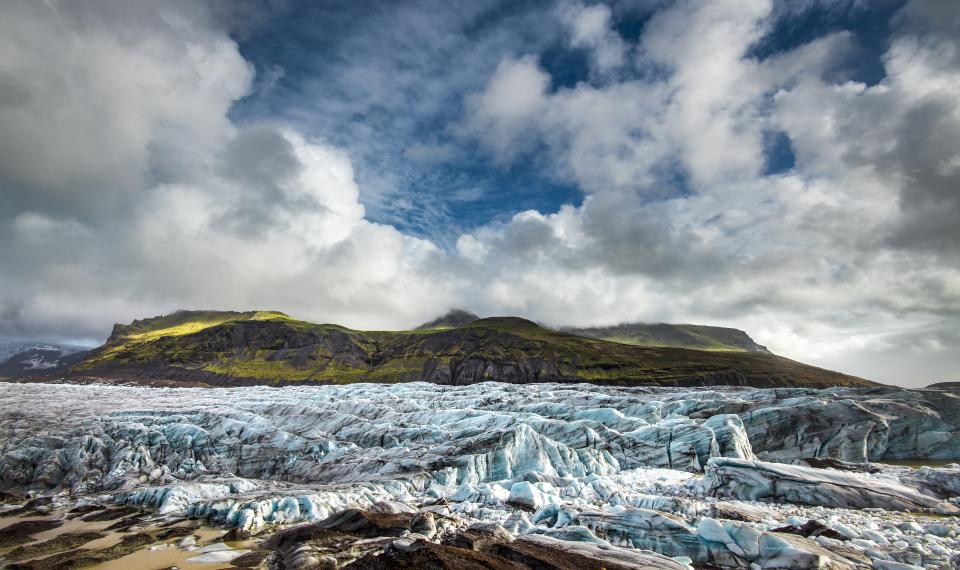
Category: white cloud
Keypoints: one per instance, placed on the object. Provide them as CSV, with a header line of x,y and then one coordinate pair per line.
x,y
95,104
591,27
129,132
31,225
803,260
504,112
430,153
136,194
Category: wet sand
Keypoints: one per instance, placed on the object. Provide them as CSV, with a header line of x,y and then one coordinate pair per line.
x,y
161,554
147,559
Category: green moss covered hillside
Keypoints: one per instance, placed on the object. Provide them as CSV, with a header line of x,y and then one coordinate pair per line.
x,y
236,348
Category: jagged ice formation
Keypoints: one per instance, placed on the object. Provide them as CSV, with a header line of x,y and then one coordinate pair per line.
x,y
702,476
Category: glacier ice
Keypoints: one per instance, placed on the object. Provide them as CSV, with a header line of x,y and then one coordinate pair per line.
x,y
707,475
754,480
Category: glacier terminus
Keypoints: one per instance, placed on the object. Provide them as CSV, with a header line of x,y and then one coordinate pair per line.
x,y
491,474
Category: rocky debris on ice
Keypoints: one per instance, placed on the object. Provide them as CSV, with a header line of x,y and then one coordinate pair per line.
x,y
754,480
382,540
579,554
941,482
851,425
626,539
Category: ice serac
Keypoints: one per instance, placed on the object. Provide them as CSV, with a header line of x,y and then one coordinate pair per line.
x,y
710,542
683,443
851,425
754,480
943,482
121,437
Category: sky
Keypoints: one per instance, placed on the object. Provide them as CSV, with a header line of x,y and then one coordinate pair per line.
x,y
791,169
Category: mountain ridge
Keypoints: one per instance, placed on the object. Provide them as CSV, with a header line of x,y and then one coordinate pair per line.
x,y
702,337
268,347
38,357
453,318
40,361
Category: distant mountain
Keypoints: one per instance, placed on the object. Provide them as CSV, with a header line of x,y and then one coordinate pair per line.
x,y
11,346
944,386
700,337
229,348
35,359
455,318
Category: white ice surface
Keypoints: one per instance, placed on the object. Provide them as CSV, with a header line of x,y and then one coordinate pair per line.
x,y
617,465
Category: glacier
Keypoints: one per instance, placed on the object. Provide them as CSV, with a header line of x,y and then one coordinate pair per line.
x,y
728,477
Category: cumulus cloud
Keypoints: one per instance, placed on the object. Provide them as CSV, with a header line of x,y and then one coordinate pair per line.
x,y
91,110
591,28
139,195
129,189
812,261
504,112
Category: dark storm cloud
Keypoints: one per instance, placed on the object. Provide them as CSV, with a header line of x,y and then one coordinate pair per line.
x,y
93,86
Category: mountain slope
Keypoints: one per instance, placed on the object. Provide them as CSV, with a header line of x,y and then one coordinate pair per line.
x,y
36,358
680,336
11,347
700,337
40,360
269,347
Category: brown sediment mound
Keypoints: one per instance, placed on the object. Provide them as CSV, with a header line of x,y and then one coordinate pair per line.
x,y
81,558
20,532
57,544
